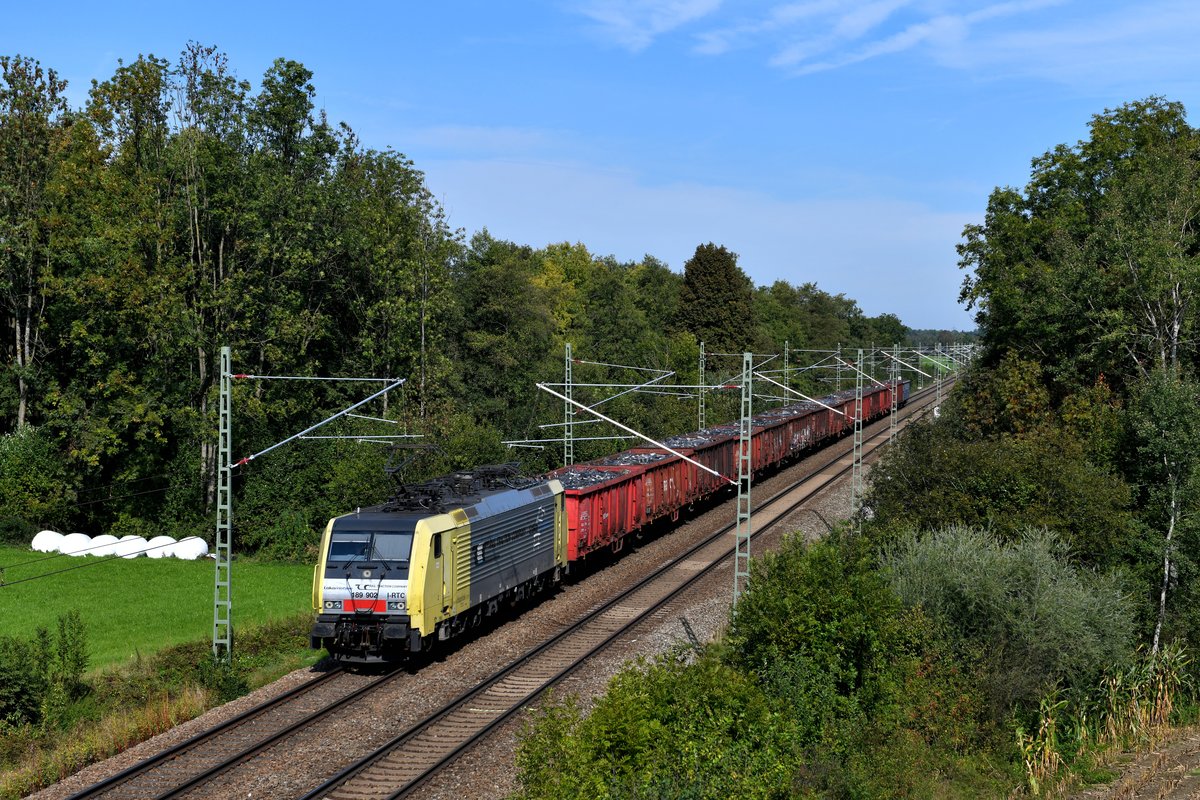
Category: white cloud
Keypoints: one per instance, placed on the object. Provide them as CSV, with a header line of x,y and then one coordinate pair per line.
x,y
1099,46
862,19
889,255
829,34
720,40
947,30
1151,43
635,24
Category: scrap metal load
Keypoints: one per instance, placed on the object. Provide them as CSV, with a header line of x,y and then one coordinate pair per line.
x,y
615,496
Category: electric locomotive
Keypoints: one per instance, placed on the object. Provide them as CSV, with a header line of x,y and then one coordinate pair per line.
x,y
434,561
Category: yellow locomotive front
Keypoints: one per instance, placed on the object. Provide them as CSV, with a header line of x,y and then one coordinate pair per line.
x,y
437,559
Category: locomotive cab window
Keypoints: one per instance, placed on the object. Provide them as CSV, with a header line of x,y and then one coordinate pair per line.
x,y
357,543
349,545
392,546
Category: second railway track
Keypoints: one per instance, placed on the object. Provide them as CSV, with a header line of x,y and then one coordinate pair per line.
x,y
211,752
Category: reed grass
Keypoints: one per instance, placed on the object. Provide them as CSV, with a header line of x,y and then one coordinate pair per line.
x,y
1132,709
44,765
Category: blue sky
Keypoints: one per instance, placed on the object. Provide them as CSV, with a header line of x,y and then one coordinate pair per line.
x,y
845,143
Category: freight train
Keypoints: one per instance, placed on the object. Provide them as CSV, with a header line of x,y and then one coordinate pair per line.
x,y
441,556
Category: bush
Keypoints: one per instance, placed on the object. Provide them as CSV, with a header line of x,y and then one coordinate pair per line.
x,y
16,531
664,729
22,682
40,678
1039,620
33,483
930,480
826,686
823,606
870,695
70,658
224,680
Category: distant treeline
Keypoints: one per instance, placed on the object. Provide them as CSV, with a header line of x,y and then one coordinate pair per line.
x,y
929,337
178,211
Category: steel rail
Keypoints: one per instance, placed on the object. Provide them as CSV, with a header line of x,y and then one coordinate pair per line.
x,y
124,775
163,761
278,736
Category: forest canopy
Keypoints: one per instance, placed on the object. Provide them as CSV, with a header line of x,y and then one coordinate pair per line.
x,y
181,210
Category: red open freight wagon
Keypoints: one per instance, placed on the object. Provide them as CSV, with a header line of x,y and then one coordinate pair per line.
x,y
614,496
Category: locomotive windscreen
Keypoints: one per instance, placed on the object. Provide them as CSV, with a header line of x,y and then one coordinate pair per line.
x,y
353,545
383,541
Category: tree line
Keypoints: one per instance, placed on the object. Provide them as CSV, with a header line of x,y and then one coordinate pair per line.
x,y
179,211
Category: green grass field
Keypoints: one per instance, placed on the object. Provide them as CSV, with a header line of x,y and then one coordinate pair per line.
x,y
945,363
138,606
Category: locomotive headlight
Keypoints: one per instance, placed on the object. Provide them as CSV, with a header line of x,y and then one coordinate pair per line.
x,y
395,605
333,604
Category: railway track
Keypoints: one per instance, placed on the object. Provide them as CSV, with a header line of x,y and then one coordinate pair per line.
x,y
203,757
408,760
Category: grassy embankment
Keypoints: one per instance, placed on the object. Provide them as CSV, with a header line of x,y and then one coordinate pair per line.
x,y
148,626
135,607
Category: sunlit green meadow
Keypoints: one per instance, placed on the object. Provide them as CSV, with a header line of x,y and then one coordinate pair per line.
x,y
137,606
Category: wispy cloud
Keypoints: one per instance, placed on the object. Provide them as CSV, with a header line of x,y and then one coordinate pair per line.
x,y
947,30
1147,44
635,24
1063,40
852,33
776,19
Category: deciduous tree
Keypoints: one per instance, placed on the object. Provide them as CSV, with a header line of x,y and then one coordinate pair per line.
x,y
1166,441
33,114
1094,268
715,301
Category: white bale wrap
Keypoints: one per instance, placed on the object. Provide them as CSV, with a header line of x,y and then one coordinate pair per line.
x,y
47,541
190,549
130,546
75,544
103,545
160,546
